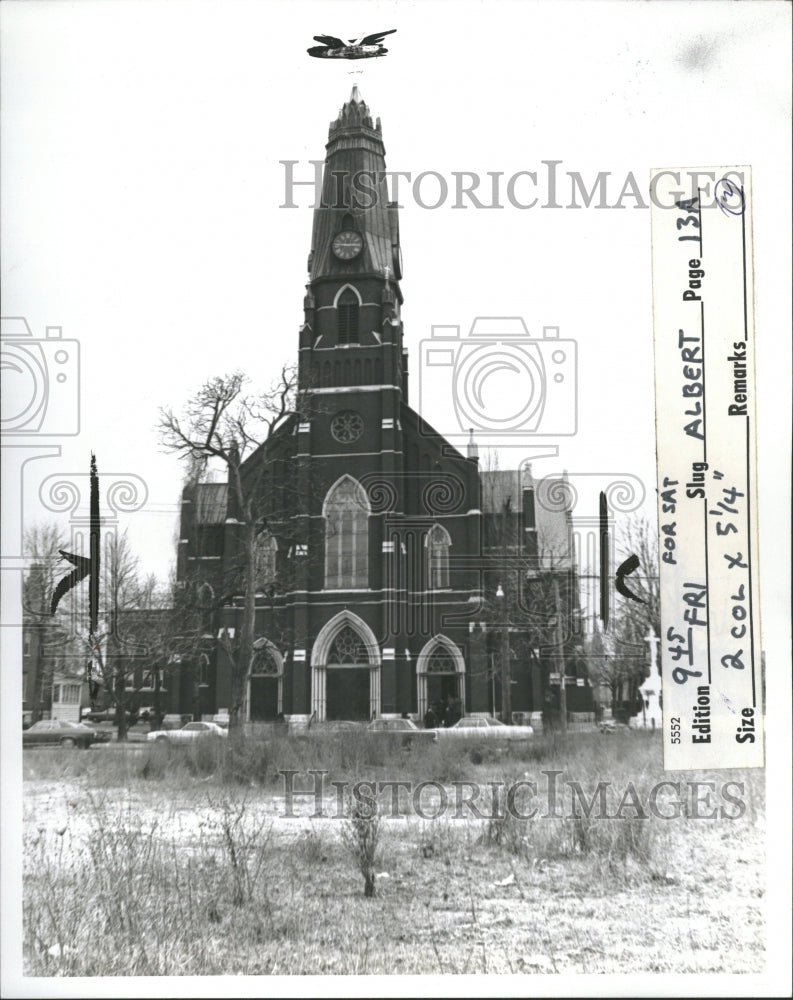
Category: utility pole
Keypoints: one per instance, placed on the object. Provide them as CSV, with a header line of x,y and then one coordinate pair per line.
x,y
559,655
116,673
506,666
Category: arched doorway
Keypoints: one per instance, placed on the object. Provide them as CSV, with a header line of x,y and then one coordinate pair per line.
x,y
265,682
440,674
345,670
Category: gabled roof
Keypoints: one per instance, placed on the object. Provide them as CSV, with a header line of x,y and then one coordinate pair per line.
x,y
502,492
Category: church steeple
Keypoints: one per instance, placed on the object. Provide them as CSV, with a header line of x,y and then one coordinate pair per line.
x,y
355,199
353,297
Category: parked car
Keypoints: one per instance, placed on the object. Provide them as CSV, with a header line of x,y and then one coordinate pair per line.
x,y
487,728
336,726
404,730
53,732
187,734
108,715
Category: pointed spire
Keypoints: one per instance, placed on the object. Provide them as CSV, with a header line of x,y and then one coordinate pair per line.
x,y
354,113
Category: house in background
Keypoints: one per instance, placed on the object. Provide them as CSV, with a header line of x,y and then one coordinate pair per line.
x,y
53,667
532,582
69,696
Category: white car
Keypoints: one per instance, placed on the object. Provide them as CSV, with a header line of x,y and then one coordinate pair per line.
x,y
488,728
187,734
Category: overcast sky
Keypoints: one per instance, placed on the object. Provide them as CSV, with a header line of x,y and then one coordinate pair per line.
x,y
142,183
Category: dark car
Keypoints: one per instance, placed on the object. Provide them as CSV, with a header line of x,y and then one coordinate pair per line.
x,y
403,731
336,726
54,732
109,715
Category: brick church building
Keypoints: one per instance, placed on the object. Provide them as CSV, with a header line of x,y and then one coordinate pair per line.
x,y
390,568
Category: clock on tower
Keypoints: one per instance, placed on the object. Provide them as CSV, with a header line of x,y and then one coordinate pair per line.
x,y
347,244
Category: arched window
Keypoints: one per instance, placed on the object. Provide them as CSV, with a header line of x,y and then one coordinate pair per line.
x,y
203,670
441,661
264,663
348,649
346,514
438,542
265,556
265,682
347,314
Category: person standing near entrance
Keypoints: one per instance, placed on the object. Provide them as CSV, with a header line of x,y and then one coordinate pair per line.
x,y
431,720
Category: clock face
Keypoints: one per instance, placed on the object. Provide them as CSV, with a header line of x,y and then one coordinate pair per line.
x,y
347,244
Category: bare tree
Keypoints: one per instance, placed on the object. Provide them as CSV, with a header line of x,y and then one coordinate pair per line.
x,y
619,659
638,536
223,423
125,598
120,592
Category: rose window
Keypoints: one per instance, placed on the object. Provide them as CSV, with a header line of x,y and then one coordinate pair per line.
x,y
346,426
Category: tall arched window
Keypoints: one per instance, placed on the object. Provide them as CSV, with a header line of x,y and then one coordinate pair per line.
x,y
346,513
347,314
265,556
438,542
205,596
265,682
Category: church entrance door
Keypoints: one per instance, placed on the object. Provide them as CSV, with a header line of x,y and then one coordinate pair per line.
x,y
347,694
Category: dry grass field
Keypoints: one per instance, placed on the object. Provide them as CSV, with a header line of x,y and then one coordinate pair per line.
x,y
143,862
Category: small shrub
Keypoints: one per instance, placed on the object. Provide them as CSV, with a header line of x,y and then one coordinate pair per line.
x,y
503,827
155,761
360,833
244,760
311,847
204,756
244,839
